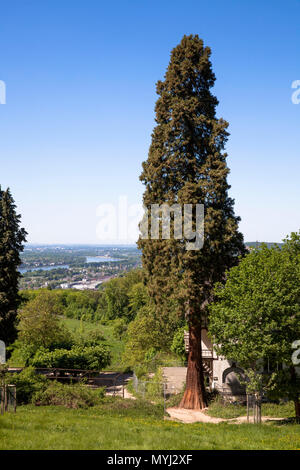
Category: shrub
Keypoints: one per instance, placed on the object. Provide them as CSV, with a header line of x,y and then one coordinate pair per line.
x,y
150,354
21,353
70,396
141,370
27,382
119,327
89,358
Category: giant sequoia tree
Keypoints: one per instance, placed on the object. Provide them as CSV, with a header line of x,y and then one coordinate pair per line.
x,y
12,238
187,165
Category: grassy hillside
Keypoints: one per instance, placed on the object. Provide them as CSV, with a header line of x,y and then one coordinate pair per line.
x,y
116,345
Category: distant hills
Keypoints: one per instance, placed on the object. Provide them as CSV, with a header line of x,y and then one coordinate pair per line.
x,y
269,244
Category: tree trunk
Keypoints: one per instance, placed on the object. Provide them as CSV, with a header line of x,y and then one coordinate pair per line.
x,y
297,410
296,398
194,396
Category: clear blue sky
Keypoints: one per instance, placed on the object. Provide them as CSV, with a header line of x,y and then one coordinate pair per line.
x,y
79,112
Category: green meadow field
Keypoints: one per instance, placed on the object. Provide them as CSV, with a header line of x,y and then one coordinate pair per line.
x,y
128,424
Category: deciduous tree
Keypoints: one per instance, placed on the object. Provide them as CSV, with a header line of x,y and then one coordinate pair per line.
x,y
256,316
40,324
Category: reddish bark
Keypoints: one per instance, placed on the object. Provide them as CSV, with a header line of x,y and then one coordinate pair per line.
x,y
194,396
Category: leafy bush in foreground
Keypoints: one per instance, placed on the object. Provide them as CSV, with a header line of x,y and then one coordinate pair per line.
x,y
36,388
28,382
70,396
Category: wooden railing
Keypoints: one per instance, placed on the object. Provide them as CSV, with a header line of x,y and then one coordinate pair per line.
x,y
60,373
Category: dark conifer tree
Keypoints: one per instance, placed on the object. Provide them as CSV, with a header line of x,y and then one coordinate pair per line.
x,y
187,165
12,238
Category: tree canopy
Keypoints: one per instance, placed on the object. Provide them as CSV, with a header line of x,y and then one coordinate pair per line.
x,y
187,165
256,315
12,238
39,322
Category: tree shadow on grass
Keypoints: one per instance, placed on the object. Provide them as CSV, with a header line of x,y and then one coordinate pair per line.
x,y
281,421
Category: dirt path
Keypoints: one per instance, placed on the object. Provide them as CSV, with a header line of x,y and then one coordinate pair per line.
x,y
128,394
194,416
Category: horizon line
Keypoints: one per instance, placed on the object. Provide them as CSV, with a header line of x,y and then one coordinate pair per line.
x,y
114,244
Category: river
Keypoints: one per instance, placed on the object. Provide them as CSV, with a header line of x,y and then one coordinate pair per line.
x,y
89,259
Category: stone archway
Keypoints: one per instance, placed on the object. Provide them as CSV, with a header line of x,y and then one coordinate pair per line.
x,y
231,380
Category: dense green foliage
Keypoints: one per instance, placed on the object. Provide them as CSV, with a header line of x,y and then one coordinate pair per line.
x,y
121,305
119,327
44,340
33,387
142,334
71,396
40,324
124,296
257,312
28,383
88,358
12,239
120,297
256,317
187,165
72,303
178,346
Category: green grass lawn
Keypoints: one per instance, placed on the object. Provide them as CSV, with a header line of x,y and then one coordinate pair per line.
x,y
127,424
283,410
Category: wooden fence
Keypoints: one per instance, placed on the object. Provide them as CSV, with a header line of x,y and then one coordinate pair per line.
x,y
8,398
